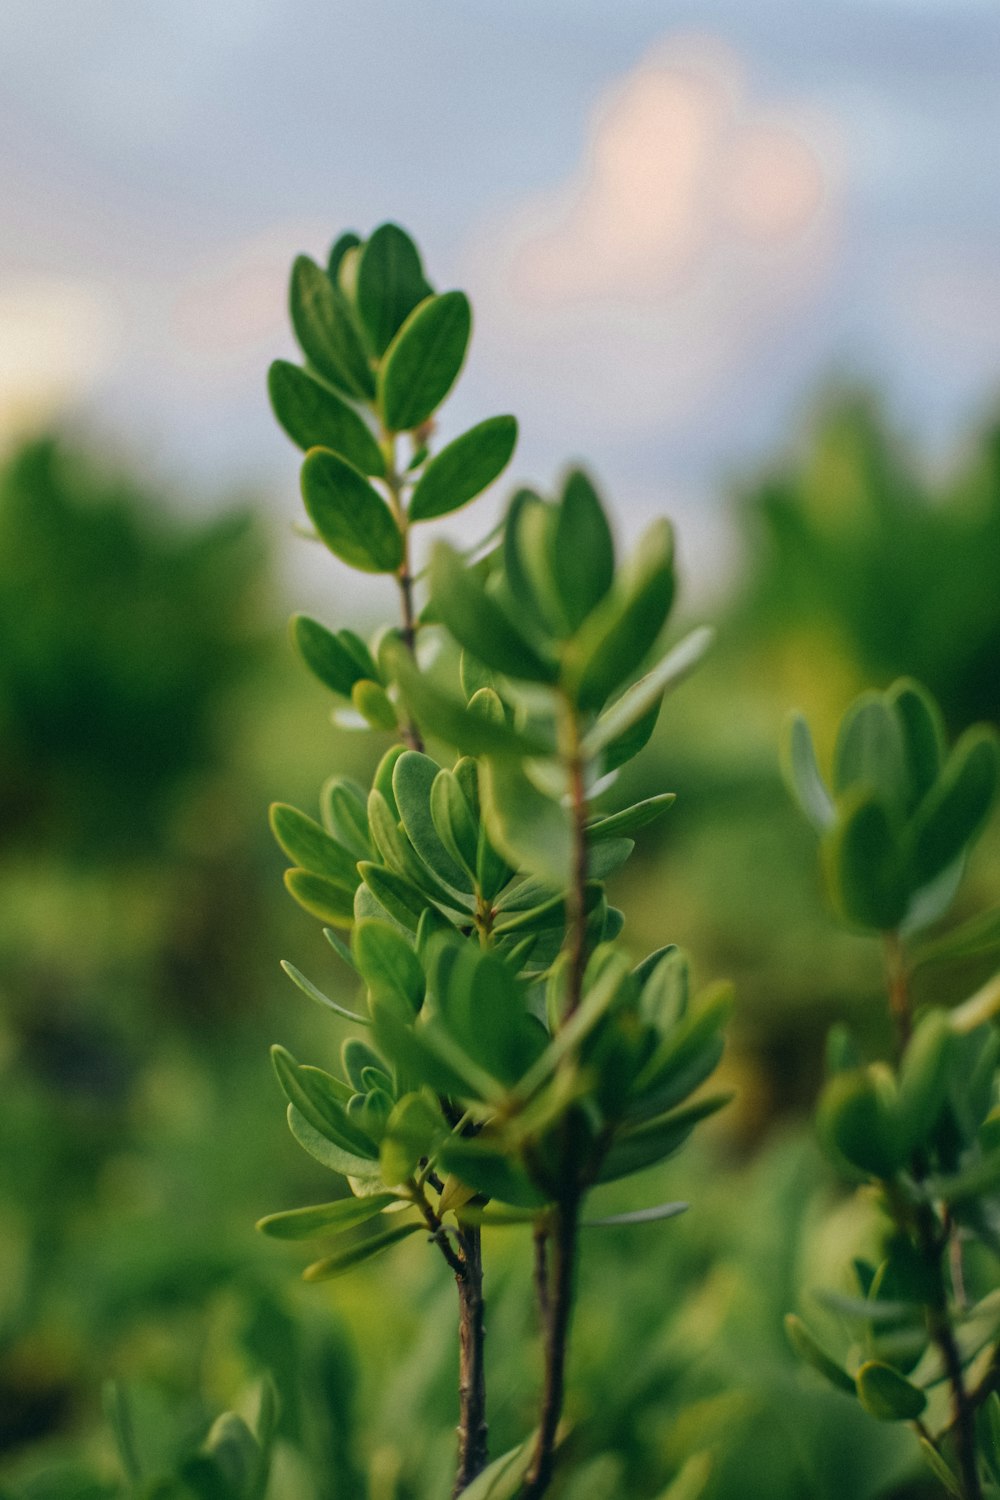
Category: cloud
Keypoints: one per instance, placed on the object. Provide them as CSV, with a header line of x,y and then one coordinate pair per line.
x,y
700,217
57,339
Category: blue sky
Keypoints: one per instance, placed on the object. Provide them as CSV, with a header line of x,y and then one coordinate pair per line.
x,y
675,221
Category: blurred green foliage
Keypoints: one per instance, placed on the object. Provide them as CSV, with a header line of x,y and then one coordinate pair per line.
x,y
146,717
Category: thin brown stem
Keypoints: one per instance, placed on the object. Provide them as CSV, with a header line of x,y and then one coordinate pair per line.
x,y
935,1241
438,1233
473,1431
542,1277
564,1246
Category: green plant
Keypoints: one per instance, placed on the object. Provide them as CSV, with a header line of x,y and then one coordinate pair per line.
x,y
513,1055
922,1130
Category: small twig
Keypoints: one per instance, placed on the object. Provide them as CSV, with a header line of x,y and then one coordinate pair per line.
x,y
473,1431
943,1335
564,1244
439,1234
542,1277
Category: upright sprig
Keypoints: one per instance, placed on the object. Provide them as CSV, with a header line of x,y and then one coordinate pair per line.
x,y
513,1055
896,825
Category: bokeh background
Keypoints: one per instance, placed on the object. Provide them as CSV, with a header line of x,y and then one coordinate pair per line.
x,y
744,261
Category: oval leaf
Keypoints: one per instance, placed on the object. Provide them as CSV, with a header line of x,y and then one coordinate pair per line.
x,y
423,361
301,1223
327,332
314,417
350,516
355,1255
464,468
390,283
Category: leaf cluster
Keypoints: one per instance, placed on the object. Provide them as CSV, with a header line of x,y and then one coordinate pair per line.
x,y
924,1128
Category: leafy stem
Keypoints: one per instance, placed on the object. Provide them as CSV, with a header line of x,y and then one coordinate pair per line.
x,y
395,484
937,1243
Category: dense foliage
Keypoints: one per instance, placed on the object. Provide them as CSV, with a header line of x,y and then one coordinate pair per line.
x,y
138,1117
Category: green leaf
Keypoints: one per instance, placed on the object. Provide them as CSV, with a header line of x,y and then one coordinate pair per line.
x,y
233,1470
599,1000
463,469
940,1469
382,780
953,813
548,914
583,554
923,733
692,1481
630,819
325,328
502,1479
310,846
490,1172
870,753
118,1415
414,1130
356,1056
345,1213
643,696
480,623
529,550
374,705
344,243
627,746
979,936
450,720
412,1053
389,967
454,822
637,1216
355,1255
857,1119
350,516
317,1105
684,1059
344,810
314,417
887,1394
483,1007
327,1153
657,1139
923,1078
400,898
413,778
812,1353
802,774
328,900
326,655
390,283
528,828
423,361
620,632
863,864
528,576
308,988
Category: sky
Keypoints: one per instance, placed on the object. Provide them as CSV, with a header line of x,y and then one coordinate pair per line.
x,y
676,222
